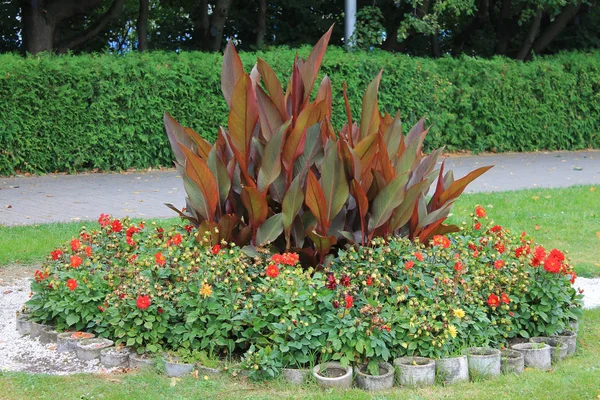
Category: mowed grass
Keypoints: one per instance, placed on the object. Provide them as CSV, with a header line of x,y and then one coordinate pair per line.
x,y
566,218
574,378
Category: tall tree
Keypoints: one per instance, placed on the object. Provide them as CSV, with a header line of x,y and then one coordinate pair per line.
x,y
142,26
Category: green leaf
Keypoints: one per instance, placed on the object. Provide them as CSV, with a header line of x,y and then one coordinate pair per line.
x,y
269,230
390,197
220,174
72,319
270,167
333,180
292,202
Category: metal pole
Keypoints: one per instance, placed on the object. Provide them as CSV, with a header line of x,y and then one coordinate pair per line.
x,y
350,21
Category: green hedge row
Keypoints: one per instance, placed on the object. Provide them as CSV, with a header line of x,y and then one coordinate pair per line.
x,y
69,113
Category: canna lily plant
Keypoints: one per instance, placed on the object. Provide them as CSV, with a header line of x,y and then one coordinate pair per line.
x,y
279,175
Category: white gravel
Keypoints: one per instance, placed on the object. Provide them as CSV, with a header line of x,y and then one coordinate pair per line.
x,y
20,353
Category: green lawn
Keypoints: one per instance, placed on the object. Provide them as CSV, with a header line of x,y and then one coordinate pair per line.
x,y
574,378
567,219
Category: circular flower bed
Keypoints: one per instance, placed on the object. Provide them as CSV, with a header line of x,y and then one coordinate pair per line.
x,y
157,289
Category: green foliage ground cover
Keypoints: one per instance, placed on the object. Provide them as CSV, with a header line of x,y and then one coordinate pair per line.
x,y
73,113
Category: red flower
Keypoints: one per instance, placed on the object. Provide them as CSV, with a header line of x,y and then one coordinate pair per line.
x,y
131,231
512,314
479,211
477,226
439,240
345,281
458,266
500,247
188,228
116,226
85,237
336,304
39,275
539,253
75,244
523,234
493,300
522,250
472,246
272,271
176,240
104,220
552,264
370,281
498,264
132,258
496,228
331,283
72,284
349,301
100,308
130,241
285,258
216,249
573,276
160,259
419,256
75,261
476,254
160,310
504,298
557,254
142,302
56,254
88,251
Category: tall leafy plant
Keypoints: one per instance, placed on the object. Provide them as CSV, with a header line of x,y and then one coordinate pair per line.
x,y
278,174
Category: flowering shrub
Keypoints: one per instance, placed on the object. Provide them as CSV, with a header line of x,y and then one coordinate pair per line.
x,y
158,289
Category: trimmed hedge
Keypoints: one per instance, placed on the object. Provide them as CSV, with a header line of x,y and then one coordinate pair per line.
x,y
71,113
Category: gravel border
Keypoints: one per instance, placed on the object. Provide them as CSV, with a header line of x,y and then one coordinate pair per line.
x,y
21,353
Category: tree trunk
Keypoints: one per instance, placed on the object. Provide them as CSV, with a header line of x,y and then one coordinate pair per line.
x,y
556,27
261,23
533,31
202,26
435,45
476,23
142,26
38,27
503,28
391,40
218,19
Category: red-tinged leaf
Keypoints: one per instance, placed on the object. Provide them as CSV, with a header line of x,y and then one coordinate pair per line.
x,y
384,161
270,167
350,159
292,203
327,131
323,244
362,203
219,171
273,86
270,119
231,72
310,68
256,205
393,136
370,117
390,197
366,150
195,198
437,228
197,170
227,225
416,131
439,189
403,213
295,96
242,120
208,229
411,156
458,186
244,236
203,147
270,230
333,179
255,76
185,215
312,151
348,115
177,134
324,94
293,147
315,200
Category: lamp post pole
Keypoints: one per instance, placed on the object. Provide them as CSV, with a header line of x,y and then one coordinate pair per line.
x,y
349,21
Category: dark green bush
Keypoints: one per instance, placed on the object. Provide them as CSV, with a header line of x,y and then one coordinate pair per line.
x,y
72,113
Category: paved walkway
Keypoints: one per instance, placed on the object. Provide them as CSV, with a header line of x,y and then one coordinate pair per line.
x,y
50,198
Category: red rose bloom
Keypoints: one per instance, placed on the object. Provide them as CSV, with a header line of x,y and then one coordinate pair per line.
x,y
493,300
419,256
142,302
75,244
116,226
477,226
349,301
104,220
75,261
216,249
439,240
498,264
88,251
345,281
331,283
479,211
160,259
56,254
72,284
458,266
272,271
409,264
370,281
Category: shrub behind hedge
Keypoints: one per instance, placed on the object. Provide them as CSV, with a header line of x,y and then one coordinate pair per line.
x,y
67,113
